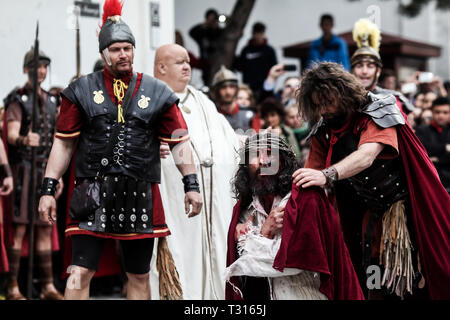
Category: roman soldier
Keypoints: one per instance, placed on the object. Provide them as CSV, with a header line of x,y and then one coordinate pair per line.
x,y
366,62
225,89
117,117
20,142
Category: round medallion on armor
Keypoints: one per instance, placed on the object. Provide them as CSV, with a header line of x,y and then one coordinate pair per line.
x,y
144,218
121,217
103,218
133,217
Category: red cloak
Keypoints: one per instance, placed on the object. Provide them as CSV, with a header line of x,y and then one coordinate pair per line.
x,y
311,240
430,206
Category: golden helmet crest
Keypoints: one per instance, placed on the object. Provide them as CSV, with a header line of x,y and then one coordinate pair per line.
x,y
367,36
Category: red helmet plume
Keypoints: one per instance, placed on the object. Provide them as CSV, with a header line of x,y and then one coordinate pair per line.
x,y
111,8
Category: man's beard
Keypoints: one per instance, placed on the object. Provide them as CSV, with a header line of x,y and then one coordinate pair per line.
x,y
337,121
263,185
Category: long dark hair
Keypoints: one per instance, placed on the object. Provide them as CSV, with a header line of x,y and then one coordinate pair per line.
x,y
242,182
329,82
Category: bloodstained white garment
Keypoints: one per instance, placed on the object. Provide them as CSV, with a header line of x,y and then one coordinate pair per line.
x,y
257,255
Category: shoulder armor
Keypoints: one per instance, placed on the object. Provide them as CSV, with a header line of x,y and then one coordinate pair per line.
x,y
405,102
14,95
383,110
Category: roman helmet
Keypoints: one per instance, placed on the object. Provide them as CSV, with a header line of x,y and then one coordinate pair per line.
x,y
224,75
368,38
28,60
114,29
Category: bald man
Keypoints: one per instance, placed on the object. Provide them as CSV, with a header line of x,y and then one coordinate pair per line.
x,y
198,248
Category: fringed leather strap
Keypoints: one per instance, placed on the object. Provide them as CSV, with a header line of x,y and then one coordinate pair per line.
x,y
396,251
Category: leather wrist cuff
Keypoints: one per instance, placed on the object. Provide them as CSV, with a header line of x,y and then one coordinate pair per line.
x,y
5,171
331,175
191,183
49,187
20,141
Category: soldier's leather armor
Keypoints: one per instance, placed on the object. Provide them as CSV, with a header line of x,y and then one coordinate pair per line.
x,y
125,195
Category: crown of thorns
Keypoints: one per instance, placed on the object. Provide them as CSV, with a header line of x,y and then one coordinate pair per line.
x,y
265,140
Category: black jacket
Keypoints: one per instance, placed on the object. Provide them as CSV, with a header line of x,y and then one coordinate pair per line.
x,y
435,143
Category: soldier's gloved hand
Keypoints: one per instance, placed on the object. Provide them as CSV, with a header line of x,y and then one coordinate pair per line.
x,y
194,199
32,139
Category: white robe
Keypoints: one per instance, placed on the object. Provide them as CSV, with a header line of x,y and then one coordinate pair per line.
x,y
199,244
257,255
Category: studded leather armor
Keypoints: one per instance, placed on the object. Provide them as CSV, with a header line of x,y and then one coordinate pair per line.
x,y
380,185
46,120
125,196
136,152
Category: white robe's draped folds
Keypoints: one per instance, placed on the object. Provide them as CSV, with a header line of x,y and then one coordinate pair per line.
x,y
257,255
199,244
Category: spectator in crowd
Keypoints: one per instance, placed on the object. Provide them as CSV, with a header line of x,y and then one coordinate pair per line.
x,y
436,139
256,59
293,120
447,87
418,99
427,81
290,85
245,97
272,111
246,100
425,117
329,47
428,99
225,87
205,34
194,61
388,80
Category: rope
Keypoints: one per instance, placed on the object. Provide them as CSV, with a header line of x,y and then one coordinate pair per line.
x,y
169,281
119,92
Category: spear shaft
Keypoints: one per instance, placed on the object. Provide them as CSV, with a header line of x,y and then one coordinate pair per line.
x,y
32,194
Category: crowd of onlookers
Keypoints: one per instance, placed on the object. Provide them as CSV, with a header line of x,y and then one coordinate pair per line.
x,y
266,98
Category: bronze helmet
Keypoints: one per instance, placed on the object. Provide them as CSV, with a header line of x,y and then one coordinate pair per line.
x,y
224,75
28,60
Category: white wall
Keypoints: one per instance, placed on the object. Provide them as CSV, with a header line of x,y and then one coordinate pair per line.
x,y
57,38
293,21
